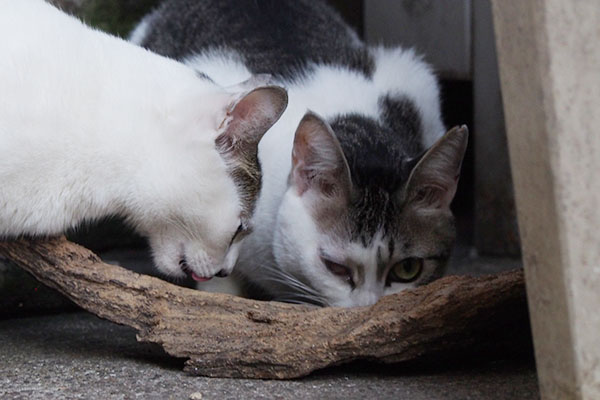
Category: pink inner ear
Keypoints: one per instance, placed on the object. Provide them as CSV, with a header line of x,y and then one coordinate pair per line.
x,y
255,113
435,191
240,116
434,196
318,162
242,109
434,179
301,150
309,144
299,177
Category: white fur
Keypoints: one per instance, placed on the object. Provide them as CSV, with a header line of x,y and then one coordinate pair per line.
x,y
285,239
91,125
223,67
416,82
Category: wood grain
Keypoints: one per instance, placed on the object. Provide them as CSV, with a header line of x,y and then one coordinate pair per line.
x,y
226,336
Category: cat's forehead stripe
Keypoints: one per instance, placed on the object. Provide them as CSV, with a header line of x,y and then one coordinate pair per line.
x,y
381,264
391,246
379,156
373,212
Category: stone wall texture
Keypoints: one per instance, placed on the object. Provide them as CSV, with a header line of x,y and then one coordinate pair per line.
x,y
549,67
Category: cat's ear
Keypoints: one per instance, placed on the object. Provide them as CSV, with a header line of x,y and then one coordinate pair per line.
x,y
432,182
250,117
318,162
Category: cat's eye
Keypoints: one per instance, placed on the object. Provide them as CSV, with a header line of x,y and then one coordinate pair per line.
x,y
407,270
342,271
237,235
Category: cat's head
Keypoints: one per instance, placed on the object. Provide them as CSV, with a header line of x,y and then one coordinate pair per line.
x,y
205,190
346,238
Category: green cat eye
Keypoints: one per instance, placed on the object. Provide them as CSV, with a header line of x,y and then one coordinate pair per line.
x,y
407,270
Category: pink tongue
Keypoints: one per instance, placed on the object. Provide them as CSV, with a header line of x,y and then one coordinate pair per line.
x,y
199,279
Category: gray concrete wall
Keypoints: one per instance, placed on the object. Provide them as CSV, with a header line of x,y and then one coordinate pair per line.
x,y
439,30
549,67
457,38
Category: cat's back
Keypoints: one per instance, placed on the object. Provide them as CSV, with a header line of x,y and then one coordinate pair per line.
x,y
279,37
59,72
48,55
303,44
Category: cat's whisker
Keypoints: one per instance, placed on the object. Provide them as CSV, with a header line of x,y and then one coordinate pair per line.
x,y
288,283
297,292
287,279
183,228
299,297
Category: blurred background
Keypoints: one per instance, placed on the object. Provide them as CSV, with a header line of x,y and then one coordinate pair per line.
x,y
455,37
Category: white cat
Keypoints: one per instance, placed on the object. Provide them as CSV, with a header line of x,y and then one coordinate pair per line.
x,y
91,126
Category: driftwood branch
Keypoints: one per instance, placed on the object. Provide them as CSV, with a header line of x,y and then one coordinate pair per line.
x,y
226,336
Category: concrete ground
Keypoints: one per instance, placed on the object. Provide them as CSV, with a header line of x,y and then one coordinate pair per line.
x,y
76,355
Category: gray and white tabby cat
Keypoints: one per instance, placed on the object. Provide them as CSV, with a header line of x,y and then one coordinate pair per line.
x,y
356,191
91,126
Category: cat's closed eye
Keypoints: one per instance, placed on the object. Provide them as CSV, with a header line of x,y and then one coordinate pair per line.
x,y
405,271
237,235
241,232
341,271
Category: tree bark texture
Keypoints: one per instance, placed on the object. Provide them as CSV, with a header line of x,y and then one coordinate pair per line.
x,y
226,336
